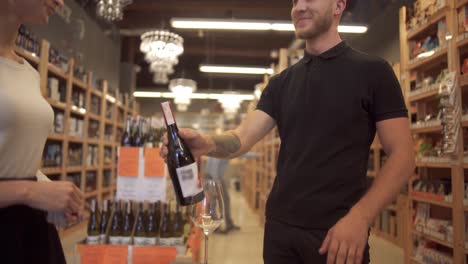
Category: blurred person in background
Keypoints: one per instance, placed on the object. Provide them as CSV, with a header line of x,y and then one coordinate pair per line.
x,y
26,194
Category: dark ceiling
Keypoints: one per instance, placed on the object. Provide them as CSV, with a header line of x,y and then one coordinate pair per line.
x,y
219,47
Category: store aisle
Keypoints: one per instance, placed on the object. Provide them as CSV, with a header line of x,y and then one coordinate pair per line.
x,y
246,245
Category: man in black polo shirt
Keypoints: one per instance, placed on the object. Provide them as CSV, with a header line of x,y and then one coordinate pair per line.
x,y
328,108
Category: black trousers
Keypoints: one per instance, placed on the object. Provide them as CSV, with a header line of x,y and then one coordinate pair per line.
x,y
27,238
285,244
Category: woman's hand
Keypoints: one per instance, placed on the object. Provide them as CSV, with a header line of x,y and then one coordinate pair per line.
x,y
56,196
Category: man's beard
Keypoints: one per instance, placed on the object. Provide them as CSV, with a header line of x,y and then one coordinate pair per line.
x,y
321,26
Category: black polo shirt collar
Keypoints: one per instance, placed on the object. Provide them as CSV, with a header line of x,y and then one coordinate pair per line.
x,y
329,54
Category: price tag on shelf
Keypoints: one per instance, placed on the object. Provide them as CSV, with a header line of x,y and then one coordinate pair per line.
x,y
154,164
154,254
128,161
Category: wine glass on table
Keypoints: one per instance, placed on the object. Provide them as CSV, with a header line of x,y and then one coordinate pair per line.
x,y
208,214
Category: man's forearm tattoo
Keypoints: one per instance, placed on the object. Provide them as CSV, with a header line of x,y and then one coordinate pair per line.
x,y
227,144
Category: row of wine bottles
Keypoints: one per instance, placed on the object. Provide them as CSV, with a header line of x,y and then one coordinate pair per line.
x,y
154,224
142,132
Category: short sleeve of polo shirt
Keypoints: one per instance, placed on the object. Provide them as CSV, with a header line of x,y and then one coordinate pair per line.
x,y
266,102
387,101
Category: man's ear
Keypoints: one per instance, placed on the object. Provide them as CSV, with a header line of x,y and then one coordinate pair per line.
x,y
340,7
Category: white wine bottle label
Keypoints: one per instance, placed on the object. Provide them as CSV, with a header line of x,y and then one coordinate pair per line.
x,y
93,240
115,240
166,107
188,179
150,241
140,241
125,240
165,242
102,239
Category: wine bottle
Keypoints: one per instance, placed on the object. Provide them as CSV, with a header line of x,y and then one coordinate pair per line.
x,y
140,229
138,135
127,227
149,136
152,226
181,164
104,220
166,234
157,214
93,226
127,138
115,234
187,223
177,228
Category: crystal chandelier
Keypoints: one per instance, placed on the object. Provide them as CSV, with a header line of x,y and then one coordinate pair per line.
x,y
111,10
182,90
230,103
162,49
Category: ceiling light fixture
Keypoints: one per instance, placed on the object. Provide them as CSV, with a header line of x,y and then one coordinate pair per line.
x,y
111,10
258,25
162,49
212,96
235,69
182,89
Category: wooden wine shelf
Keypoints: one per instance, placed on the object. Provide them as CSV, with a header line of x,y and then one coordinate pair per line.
x,y
439,55
75,111
91,194
433,165
461,3
75,140
431,129
109,122
74,169
92,168
48,171
423,96
431,201
27,55
438,15
433,239
57,72
54,136
79,84
93,142
56,104
94,117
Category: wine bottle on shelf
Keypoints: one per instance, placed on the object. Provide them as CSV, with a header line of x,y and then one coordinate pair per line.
x,y
137,135
166,234
104,221
93,226
187,223
127,227
150,139
115,234
140,229
127,138
182,167
157,214
152,227
177,228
